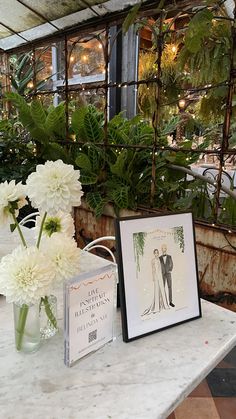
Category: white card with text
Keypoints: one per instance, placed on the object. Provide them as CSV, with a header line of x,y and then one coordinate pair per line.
x,y
89,311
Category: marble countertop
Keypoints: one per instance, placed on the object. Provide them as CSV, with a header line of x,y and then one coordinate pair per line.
x,y
143,379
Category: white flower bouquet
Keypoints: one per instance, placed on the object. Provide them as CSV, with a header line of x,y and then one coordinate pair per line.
x,y
28,274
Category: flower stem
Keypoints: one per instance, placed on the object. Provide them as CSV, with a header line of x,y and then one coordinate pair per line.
x,y
41,230
51,317
21,326
19,229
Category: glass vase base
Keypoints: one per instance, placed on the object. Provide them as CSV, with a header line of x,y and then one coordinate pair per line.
x,y
48,317
29,347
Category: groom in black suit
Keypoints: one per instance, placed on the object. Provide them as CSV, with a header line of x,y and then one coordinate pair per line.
x,y
166,268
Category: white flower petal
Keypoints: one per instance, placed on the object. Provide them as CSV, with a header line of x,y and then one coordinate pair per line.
x,y
62,221
64,254
26,275
54,186
10,192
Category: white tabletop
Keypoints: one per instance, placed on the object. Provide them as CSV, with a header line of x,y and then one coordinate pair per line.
x,y
143,379
9,241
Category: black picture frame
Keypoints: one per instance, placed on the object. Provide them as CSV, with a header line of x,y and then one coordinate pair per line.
x,y
156,291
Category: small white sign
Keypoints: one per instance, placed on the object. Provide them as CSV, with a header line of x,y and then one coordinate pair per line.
x,y
89,311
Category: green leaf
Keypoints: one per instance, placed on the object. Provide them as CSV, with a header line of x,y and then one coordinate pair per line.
x,y
92,127
38,113
94,157
26,118
38,133
23,108
88,178
54,151
119,167
96,202
22,62
77,122
193,43
55,120
115,135
83,162
198,29
12,227
17,99
130,18
170,125
46,304
201,19
121,196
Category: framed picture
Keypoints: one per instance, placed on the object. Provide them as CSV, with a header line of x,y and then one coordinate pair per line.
x,y
158,276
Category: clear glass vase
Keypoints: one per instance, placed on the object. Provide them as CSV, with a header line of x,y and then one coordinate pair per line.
x,y
27,327
48,316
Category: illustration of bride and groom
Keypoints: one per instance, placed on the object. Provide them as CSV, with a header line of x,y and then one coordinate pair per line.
x,y
161,275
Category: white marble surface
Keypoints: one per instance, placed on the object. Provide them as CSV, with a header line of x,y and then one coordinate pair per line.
x,y
143,379
9,241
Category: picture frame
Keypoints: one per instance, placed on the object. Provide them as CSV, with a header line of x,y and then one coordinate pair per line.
x,y
158,275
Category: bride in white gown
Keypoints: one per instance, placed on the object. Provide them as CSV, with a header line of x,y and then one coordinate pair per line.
x,y
159,301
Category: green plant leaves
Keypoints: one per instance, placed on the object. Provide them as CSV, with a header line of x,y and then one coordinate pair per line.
x,y
130,18
43,124
54,151
93,129
119,167
199,28
88,178
83,162
96,202
77,122
55,122
38,112
121,196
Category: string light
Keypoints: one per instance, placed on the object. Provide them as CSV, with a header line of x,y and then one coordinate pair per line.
x,y
182,103
30,84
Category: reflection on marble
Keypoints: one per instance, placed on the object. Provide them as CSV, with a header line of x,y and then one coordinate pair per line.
x,y
143,379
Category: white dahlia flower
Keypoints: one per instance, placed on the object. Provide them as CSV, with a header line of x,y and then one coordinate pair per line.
x,y
54,186
60,223
26,274
12,197
64,254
